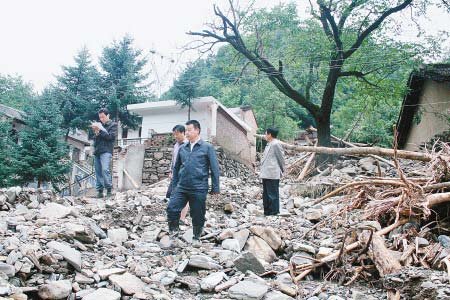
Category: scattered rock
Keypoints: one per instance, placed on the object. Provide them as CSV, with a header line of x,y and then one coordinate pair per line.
x,y
203,262
72,256
118,236
54,211
102,294
247,261
128,283
56,290
211,281
248,290
260,249
269,235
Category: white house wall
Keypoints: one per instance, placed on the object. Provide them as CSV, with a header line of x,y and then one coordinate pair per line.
x,y
162,121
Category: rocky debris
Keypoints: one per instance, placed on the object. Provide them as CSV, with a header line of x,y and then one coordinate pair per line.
x,y
54,211
103,294
203,262
211,281
248,290
128,283
72,256
118,236
247,261
56,290
120,248
259,248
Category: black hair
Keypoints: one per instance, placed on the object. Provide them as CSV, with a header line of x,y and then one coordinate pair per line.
x,y
195,123
179,128
103,111
272,131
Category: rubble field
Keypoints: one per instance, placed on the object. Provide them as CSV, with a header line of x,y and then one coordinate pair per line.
x,y
368,240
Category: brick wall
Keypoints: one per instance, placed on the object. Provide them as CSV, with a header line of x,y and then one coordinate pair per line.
x,y
233,138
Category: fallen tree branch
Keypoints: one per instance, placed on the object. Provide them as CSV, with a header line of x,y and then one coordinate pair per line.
x,y
359,151
379,253
333,256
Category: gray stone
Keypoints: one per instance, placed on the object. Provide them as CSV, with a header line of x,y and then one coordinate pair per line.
x,y
203,262
97,230
301,258
188,235
359,295
165,277
324,251
312,214
55,290
12,193
105,273
334,297
8,269
422,242
231,244
72,256
102,294
276,295
248,290
242,237
54,211
128,283
444,240
211,281
247,261
260,249
304,247
269,235
118,235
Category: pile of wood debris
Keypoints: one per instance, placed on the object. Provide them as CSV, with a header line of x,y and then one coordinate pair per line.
x,y
401,217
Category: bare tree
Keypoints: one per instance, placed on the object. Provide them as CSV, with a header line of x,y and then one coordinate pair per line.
x,y
333,16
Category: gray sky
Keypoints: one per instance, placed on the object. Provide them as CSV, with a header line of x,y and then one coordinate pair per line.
x,y
38,36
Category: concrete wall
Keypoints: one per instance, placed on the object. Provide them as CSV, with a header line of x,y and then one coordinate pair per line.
x,y
235,140
433,113
130,159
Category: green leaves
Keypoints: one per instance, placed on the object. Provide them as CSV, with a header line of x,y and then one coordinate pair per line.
x,y
43,154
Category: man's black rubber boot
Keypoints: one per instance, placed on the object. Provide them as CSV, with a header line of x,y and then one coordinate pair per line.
x,y
174,226
108,193
197,230
99,194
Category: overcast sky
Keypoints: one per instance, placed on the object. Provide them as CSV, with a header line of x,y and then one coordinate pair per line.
x,y
38,36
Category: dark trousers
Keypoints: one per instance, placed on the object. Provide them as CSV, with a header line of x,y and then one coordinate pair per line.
x,y
197,203
271,196
169,190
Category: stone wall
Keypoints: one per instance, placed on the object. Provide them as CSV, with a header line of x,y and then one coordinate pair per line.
x,y
156,164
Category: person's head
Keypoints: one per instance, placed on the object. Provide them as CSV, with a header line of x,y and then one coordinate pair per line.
x,y
192,130
178,133
103,115
271,133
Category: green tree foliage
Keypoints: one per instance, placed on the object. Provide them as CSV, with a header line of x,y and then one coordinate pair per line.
x,y
185,87
15,92
124,79
79,93
43,152
369,89
8,155
319,61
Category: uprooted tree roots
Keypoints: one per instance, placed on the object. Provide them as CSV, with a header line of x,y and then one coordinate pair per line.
x,y
392,202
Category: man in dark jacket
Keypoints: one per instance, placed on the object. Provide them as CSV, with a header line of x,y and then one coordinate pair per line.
x,y
104,139
190,180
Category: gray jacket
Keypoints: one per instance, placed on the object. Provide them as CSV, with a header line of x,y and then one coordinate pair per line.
x,y
272,162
